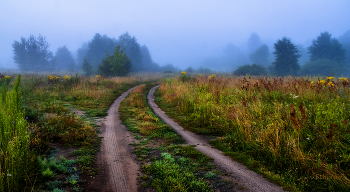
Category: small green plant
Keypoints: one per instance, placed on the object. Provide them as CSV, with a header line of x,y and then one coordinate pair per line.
x,y
48,173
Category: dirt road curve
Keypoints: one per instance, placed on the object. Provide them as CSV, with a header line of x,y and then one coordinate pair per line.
x,y
250,180
117,167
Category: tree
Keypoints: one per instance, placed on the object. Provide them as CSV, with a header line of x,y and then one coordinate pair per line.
x,y
261,55
304,54
81,53
132,50
118,64
254,42
325,47
286,58
33,54
345,41
97,48
64,59
254,70
87,68
147,61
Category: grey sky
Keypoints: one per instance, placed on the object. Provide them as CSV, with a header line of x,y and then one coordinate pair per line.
x,y
180,32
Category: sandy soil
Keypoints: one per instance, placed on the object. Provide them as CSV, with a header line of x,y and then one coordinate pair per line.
x,y
116,163
250,180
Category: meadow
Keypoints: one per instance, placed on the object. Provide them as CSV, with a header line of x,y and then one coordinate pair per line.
x,y
293,130
38,110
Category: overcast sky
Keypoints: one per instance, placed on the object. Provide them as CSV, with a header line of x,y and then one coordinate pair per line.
x,y
180,32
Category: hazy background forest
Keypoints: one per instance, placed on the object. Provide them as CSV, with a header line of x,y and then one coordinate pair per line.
x,y
169,37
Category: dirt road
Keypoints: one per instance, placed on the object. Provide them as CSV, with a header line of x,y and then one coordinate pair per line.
x,y
250,180
115,161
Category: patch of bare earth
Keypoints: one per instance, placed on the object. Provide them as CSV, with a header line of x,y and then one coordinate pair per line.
x,y
238,173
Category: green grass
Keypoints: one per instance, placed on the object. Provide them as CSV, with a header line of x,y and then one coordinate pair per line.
x,y
45,119
292,131
166,164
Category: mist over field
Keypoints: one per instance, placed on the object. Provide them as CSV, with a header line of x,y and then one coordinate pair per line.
x,y
219,35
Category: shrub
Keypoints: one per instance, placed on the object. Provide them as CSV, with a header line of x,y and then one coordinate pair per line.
x,y
323,67
254,70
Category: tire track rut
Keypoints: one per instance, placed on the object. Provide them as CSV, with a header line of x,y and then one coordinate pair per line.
x,y
115,158
250,180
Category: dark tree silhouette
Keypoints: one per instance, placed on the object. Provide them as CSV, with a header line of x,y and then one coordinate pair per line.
x,y
132,50
261,55
325,47
286,58
64,59
117,64
33,54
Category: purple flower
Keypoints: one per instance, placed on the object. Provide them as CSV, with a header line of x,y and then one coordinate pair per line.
x,y
300,138
13,122
27,129
26,117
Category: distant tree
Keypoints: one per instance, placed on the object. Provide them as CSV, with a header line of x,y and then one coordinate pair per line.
x,y
325,47
323,67
345,41
117,64
147,61
261,55
304,55
253,70
132,50
169,68
286,58
81,53
64,59
204,70
254,42
234,57
33,54
97,48
190,70
87,68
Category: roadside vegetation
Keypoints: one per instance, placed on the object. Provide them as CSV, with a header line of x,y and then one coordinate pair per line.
x,y
38,120
294,131
167,164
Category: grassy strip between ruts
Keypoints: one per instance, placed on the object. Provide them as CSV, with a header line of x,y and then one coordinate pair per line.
x,y
166,165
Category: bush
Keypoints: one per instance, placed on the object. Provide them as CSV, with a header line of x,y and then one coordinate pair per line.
x,y
254,70
323,67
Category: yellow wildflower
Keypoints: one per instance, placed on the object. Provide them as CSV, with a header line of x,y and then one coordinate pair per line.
x,y
329,78
199,75
183,72
322,82
344,79
66,77
97,76
311,84
330,84
7,77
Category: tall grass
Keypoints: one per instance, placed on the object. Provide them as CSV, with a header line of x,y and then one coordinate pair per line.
x,y
15,154
295,127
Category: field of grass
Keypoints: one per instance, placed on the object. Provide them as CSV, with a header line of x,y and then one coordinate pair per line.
x,y
292,130
166,164
36,112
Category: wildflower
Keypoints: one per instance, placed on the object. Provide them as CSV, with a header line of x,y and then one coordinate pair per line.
x,y
183,72
308,138
311,84
9,175
26,117
321,82
66,77
97,76
344,79
330,84
199,75
329,78
7,77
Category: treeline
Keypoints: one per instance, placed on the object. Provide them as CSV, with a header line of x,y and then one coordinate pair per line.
x,y
33,54
326,56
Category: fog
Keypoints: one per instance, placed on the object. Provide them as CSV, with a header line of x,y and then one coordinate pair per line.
x,y
193,33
